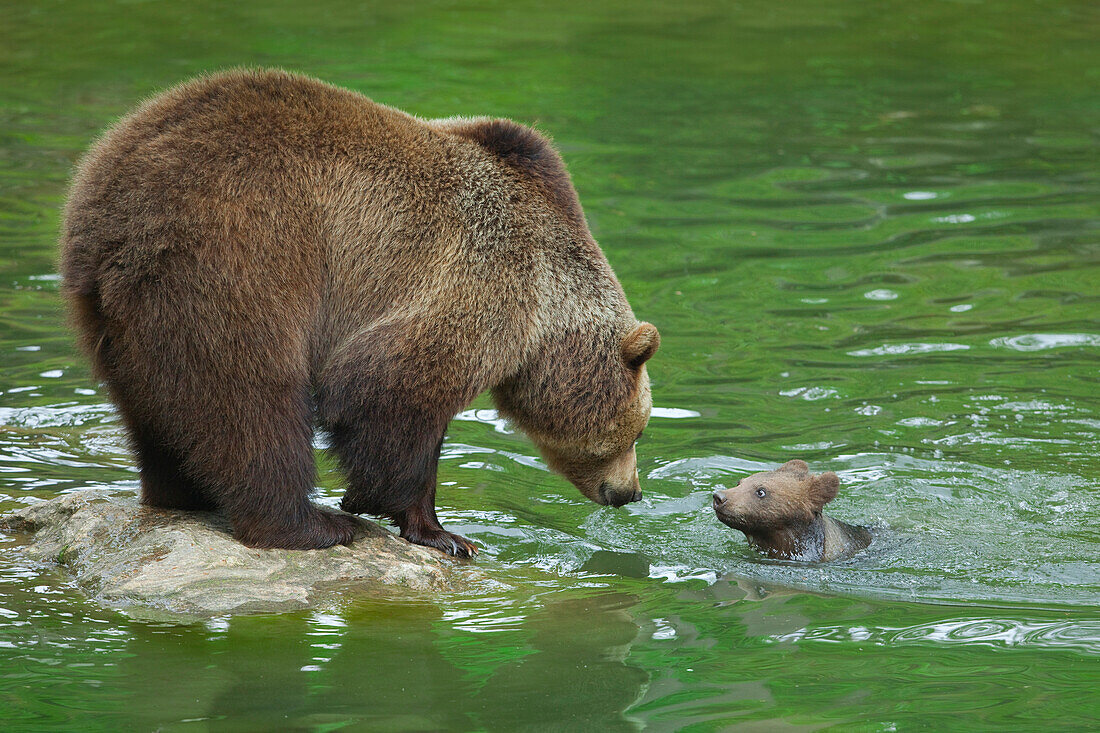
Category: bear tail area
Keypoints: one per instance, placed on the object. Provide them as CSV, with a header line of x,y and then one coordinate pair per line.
x,y
80,289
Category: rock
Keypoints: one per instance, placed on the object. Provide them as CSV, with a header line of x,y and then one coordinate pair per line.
x,y
159,562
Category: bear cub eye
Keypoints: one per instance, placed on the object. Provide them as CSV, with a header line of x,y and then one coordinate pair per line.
x,y
761,492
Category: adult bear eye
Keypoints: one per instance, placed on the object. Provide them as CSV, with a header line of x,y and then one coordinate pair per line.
x,y
760,492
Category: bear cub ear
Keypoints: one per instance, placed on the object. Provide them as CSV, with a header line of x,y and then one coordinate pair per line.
x,y
795,466
823,488
640,345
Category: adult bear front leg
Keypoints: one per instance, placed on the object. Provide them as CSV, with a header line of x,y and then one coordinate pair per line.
x,y
420,525
391,462
387,410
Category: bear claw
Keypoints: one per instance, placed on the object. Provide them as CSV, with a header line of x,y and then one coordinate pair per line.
x,y
447,542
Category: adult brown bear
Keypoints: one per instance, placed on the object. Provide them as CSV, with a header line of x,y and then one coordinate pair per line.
x,y
254,249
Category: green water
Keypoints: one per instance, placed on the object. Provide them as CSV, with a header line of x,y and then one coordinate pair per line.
x,y
869,235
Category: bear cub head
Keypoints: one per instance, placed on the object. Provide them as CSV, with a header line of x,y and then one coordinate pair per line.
x,y
780,513
771,501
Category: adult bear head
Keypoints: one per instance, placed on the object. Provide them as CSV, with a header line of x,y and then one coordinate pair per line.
x,y
581,391
584,402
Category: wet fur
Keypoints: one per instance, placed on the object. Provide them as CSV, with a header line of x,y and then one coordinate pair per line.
x,y
787,522
254,251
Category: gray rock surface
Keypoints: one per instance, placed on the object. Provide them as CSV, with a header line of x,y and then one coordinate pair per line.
x,y
186,563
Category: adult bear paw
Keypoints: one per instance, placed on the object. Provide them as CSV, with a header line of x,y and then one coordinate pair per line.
x,y
317,530
441,539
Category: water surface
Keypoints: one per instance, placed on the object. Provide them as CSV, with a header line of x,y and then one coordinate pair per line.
x,y
869,235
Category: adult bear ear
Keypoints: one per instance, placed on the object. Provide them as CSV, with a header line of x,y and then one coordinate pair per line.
x,y
823,488
640,345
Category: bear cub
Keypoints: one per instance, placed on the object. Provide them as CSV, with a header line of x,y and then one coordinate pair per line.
x,y
780,513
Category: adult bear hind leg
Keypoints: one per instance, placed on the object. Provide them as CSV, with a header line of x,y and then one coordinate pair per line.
x,y
263,473
164,482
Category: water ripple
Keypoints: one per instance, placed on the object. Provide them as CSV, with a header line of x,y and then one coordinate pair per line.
x,y
907,349
1044,341
1079,635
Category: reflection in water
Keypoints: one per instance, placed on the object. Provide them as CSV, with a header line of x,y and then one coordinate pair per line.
x,y
391,665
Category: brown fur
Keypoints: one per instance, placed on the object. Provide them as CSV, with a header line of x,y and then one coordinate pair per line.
x,y
787,522
254,250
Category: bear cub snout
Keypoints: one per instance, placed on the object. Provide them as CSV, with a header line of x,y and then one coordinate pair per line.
x,y
780,514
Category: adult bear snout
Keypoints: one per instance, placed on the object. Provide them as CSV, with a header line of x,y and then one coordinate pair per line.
x,y
618,497
719,498
623,498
